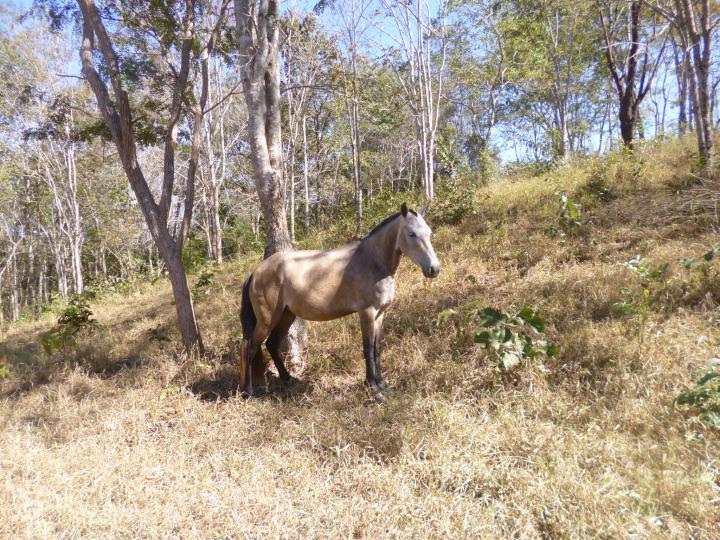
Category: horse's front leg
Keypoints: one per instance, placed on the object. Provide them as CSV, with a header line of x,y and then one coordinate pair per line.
x,y
379,319
371,325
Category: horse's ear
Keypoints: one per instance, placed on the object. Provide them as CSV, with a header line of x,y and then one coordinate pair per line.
x,y
404,209
423,209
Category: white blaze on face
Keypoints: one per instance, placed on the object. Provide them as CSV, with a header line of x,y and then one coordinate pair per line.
x,y
414,241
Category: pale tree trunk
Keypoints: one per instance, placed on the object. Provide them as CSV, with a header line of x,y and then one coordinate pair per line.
x,y
258,41
74,233
216,144
679,55
306,173
352,14
117,114
8,265
62,181
698,29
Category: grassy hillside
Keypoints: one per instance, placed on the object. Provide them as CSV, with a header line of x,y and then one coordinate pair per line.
x,y
129,438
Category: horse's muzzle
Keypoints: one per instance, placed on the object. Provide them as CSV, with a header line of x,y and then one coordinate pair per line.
x,y
432,271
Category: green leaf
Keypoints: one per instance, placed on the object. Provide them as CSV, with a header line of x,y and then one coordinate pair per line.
x,y
491,317
709,376
505,335
532,318
712,419
483,338
710,255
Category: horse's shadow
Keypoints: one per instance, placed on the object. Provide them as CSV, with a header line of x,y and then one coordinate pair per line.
x,y
223,385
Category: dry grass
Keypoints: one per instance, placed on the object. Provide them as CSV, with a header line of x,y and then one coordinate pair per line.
x,y
133,439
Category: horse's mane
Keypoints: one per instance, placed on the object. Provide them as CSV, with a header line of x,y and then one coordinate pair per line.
x,y
385,222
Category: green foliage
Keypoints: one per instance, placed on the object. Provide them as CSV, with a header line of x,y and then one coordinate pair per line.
x,y
567,221
74,320
452,204
701,263
569,213
638,304
206,277
4,372
642,267
511,336
704,398
597,185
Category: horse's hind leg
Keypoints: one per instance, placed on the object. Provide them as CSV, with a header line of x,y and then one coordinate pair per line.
x,y
252,350
275,340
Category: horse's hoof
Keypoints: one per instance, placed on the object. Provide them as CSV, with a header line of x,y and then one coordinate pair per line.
x,y
388,390
382,394
290,381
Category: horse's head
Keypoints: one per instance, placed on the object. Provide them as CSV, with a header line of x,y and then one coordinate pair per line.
x,y
414,241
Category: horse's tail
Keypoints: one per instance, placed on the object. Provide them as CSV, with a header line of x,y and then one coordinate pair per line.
x,y
247,313
248,321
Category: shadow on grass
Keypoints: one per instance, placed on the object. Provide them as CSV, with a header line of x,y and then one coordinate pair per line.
x,y
105,353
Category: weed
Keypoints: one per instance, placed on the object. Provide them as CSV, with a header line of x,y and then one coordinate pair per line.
x,y
75,319
704,397
567,221
205,279
636,304
508,335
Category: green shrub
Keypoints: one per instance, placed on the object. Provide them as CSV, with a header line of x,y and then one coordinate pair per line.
x,y
75,319
511,336
206,277
704,398
652,283
452,205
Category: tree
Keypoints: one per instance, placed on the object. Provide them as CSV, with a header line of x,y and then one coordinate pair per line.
x,y
629,39
118,115
694,22
258,40
222,131
421,41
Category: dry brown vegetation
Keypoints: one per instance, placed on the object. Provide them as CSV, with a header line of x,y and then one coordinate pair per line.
x,y
131,439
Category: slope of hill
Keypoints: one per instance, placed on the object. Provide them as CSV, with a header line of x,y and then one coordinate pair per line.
x,y
129,438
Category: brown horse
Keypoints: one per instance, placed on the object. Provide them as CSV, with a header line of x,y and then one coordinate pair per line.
x,y
322,285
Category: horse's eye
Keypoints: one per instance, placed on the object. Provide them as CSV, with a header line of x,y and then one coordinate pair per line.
x,y
412,235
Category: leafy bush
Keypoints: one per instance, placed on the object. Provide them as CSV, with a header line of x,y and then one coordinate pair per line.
x,y
75,319
569,214
597,185
704,397
205,279
638,304
512,337
452,205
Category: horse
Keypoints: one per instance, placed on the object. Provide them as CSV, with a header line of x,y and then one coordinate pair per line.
x,y
358,277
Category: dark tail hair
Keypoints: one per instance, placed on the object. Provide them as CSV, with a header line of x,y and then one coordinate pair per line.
x,y
247,314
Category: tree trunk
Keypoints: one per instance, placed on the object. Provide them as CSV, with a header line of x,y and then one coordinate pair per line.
x,y
258,41
306,173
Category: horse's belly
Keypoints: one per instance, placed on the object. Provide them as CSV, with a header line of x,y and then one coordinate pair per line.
x,y
320,303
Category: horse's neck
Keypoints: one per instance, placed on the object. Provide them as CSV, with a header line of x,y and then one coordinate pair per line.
x,y
382,248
